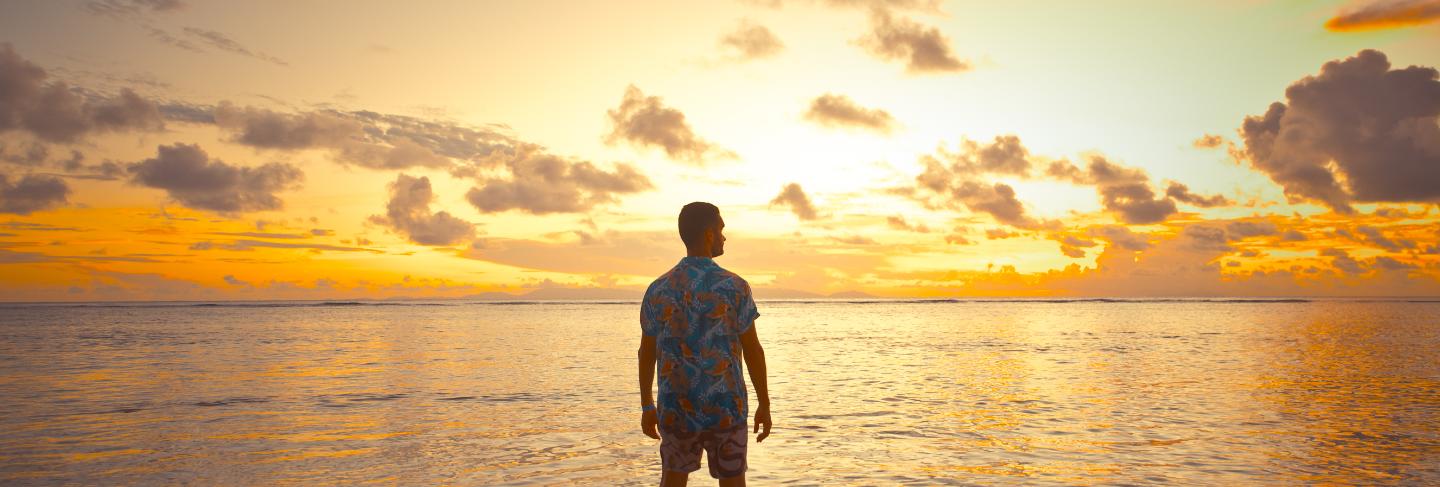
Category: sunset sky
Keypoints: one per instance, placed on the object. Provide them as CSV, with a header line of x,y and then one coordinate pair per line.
x,y
181,149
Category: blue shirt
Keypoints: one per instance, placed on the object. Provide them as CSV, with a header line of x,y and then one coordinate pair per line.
x,y
697,312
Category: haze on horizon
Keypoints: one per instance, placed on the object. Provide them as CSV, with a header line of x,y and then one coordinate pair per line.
x,y
189,150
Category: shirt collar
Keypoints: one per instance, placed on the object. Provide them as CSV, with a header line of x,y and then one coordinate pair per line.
x,y
697,261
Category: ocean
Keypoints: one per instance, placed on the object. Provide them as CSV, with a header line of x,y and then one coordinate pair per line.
x,y
962,392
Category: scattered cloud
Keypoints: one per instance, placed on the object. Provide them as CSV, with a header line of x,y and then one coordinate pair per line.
x,y
366,139
1384,14
795,198
1181,193
542,183
54,112
131,8
645,121
898,222
223,42
1316,147
408,213
193,179
32,193
833,110
1209,141
750,41
923,49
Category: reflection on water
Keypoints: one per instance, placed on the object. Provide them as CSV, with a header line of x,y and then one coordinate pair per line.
x,y
864,393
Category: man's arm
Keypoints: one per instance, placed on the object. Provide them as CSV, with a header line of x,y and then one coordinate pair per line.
x,y
648,419
754,357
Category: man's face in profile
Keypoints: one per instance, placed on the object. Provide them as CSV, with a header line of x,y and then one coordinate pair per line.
x,y
718,245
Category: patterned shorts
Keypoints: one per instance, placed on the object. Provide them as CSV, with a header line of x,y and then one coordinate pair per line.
x,y
724,450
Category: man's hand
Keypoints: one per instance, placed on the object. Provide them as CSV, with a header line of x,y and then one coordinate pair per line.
x,y
648,422
762,418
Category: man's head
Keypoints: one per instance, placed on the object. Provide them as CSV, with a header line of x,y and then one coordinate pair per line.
x,y
700,229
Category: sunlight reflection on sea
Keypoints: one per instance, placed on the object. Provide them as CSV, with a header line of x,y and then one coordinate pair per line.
x,y
978,392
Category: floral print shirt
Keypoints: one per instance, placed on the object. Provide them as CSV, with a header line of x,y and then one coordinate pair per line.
x,y
697,312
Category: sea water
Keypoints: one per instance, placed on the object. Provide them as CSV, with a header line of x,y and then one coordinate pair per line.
x,y
1063,392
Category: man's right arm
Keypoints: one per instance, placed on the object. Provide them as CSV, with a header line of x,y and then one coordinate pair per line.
x,y
754,356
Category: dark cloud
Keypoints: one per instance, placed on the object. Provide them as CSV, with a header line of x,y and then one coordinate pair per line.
x,y
1181,193
56,113
1375,236
1124,191
646,121
1342,260
408,213
1357,132
1120,236
231,280
1383,14
998,200
195,180
30,154
840,111
1135,203
541,183
794,197
752,41
31,193
923,49
1205,238
1242,229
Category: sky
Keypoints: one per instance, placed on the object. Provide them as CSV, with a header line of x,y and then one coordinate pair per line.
x,y
192,150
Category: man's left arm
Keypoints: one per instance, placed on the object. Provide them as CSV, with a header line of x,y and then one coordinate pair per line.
x,y
648,418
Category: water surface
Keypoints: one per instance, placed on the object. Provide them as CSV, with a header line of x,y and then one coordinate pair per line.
x,y
967,392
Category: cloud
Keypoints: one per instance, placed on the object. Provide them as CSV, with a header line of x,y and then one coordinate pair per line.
x,y
408,213
898,222
542,183
245,245
1384,14
646,121
923,49
1375,236
1357,132
225,43
195,180
131,8
998,200
840,111
794,197
231,280
56,113
1181,193
362,138
32,193
1209,141
1120,236
1124,191
752,41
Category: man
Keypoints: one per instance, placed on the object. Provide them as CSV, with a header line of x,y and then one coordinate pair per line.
x,y
698,321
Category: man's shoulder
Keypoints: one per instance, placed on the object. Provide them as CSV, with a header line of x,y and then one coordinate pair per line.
x,y
733,280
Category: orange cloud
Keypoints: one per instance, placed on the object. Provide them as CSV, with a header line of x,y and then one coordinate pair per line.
x,y
1385,14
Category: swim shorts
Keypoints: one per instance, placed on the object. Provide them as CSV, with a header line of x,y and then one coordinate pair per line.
x,y
724,450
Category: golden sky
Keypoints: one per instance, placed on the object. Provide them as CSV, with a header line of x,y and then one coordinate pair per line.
x,y
182,149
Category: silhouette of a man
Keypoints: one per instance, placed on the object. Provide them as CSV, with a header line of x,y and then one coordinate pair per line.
x,y
698,321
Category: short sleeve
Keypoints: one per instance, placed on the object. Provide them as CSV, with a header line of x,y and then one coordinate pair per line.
x,y
649,318
745,306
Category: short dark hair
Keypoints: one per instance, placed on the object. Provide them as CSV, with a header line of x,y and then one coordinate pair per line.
x,y
695,219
